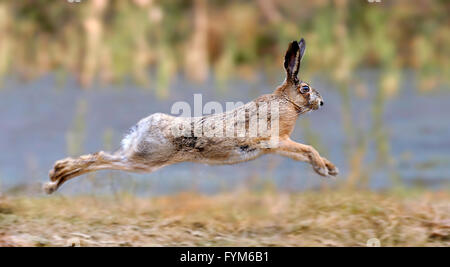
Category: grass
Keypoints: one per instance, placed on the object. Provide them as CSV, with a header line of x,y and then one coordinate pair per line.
x,y
331,218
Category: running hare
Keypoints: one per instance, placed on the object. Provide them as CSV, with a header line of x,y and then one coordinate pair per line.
x,y
225,138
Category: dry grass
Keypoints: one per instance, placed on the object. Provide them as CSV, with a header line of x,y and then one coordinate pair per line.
x,y
229,219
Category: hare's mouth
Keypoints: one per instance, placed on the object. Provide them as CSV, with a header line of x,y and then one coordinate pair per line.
x,y
315,105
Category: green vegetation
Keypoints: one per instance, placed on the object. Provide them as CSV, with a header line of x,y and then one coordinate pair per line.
x,y
110,40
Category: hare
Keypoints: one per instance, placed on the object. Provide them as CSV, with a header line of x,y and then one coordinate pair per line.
x,y
225,138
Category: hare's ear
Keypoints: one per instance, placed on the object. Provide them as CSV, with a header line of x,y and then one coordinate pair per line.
x,y
293,58
302,46
291,62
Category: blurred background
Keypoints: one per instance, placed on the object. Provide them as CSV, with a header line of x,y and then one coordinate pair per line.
x,y
75,76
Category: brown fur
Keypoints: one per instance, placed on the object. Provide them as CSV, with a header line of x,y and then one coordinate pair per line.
x,y
152,143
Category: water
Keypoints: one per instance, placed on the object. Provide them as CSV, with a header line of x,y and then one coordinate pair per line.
x,y
35,118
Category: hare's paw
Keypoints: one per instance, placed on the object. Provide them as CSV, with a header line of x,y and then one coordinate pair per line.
x,y
60,168
325,168
321,170
50,187
332,169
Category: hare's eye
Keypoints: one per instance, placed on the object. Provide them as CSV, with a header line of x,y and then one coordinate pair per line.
x,y
305,89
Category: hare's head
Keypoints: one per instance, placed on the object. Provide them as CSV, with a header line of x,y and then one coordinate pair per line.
x,y
301,93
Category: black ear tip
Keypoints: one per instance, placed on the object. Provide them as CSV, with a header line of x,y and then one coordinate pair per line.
x,y
294,44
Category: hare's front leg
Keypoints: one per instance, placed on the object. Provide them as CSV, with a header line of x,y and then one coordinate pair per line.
x,y
307,153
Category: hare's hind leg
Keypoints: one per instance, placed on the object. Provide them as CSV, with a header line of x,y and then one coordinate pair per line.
x,y
308,154
69,168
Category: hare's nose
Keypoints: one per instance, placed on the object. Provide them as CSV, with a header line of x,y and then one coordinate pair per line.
x,y
321,103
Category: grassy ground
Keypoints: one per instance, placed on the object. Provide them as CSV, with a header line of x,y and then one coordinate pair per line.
x,y
230,219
